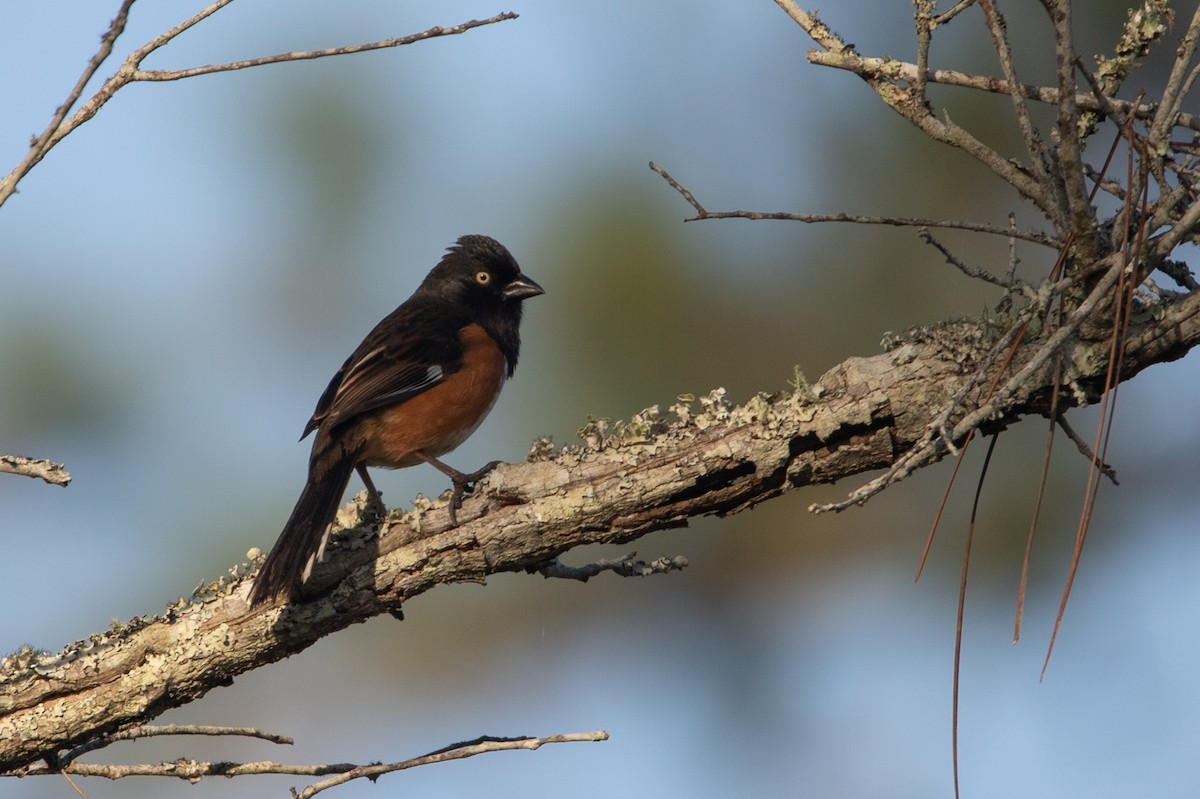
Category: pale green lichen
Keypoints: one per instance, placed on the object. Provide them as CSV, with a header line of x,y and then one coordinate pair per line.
x,y
1144,26
683,408
805,392
542,449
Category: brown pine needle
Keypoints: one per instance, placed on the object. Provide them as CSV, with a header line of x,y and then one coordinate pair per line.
x,y
1123,294
1037,505
1012,351
942,507
962,603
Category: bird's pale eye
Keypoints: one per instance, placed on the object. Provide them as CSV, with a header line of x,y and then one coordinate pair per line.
x,y
483,277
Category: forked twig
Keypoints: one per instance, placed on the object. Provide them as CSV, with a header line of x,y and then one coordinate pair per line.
x,y
131,71
193,770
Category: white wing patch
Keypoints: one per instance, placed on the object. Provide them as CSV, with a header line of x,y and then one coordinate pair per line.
x,y
433,374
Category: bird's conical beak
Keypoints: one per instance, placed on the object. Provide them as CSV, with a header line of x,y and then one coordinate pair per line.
x,y
521,288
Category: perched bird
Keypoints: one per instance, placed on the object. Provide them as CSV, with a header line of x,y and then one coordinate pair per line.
x,y
416,388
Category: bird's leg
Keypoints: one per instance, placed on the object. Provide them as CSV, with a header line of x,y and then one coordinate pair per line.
x,y
462,482
374,501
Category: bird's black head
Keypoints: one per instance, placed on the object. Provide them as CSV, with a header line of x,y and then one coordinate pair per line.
x,y
479,276
479,271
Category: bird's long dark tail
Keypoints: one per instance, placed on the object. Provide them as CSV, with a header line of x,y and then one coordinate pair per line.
x,y
304,536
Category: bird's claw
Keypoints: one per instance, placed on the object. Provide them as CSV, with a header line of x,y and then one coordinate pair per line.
x,y
463,484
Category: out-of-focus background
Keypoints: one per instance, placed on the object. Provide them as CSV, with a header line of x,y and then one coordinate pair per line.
x,y
180,278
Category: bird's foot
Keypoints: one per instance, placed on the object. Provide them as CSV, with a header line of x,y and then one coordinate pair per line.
x,y
464,484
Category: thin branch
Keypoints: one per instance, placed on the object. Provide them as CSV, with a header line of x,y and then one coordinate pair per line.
x,y
909,105
1069,156
479,746
815,28
969,271
1086,451
1038,155
1177,84
304,55
628,566
151,731
951,13
194,770
185,769
1108,107
893,69
130,71
924,20
40,468
1033,236
1010,279
42,144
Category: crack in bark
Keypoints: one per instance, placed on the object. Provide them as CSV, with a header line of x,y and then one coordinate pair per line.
x,y
870,410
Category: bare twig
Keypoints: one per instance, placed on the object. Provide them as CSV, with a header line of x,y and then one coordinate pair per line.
x,y
184,769
925,23
908,104
1010,279
1069,156
193,770
479,746
42,469
1085,450
42,144
1182,73
130,71
304,55
815,28
953,260
1034,236
151,731
628,566
893,69
949,14
1038,155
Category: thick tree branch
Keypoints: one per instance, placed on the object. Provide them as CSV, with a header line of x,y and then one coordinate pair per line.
x,y
643,477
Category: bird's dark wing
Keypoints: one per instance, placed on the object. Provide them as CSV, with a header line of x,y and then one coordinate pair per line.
x,y
411,350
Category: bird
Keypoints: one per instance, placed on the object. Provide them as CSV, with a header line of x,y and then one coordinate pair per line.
x,y
416,387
